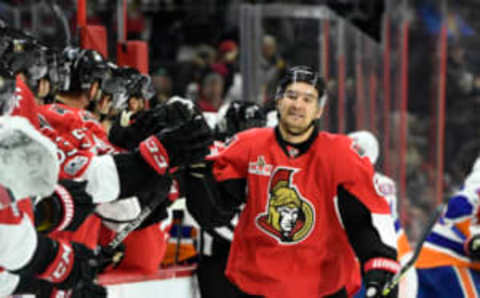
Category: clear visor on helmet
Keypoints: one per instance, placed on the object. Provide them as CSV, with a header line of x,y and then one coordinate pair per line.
x,y
147,90
59,74
38,67
115,86
119,101
7,95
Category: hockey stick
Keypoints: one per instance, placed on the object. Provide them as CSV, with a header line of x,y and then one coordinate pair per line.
x,y
109,249
409,265
146,211
61,17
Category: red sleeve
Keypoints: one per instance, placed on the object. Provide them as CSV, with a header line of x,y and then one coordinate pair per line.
x,y
356,174
25,105
232,162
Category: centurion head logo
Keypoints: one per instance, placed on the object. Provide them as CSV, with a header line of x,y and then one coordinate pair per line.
x,y
289,217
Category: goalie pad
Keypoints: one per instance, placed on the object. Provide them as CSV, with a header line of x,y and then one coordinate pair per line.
x,y
25,153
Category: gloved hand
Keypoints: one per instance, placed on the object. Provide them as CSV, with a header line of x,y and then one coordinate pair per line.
x,y
171,113
375,280
66,209
179,145
44,289
108,257
241,115
146,123
472,247
88,290
73,266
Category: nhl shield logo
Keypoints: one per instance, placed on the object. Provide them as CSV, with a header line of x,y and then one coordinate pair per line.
x,y
289,217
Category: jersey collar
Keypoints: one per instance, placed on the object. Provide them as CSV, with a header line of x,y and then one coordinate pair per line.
x,y
295,150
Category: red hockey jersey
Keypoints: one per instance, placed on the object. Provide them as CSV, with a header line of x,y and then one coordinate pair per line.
x,y
290,241
25,104
79,127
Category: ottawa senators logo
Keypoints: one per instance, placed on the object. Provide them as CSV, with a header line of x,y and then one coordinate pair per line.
x,y
289,217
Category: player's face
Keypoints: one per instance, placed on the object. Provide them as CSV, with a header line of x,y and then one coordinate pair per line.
x,y
288,217
298,107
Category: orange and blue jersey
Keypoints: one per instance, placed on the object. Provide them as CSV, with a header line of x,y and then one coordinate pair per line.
x,y
445,245
444,267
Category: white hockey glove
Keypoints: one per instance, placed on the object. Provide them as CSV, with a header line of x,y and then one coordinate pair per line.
x,y
28,160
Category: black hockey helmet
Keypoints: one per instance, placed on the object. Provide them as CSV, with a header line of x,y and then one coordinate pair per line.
x,y
127,82
7,91
302,74
27,58
87,66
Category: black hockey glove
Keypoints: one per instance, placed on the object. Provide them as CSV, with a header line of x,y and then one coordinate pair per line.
x,y
181,145
83,269
87,290
375,280
472,247
44,289
174,112
66,209
241,115
64,264
108,257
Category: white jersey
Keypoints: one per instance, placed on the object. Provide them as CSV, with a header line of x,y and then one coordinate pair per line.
x,y
386,187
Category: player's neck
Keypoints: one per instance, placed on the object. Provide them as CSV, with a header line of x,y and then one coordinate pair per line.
x,y
77,101
294,138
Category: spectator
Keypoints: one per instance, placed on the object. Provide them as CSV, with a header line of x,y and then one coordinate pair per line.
x,y
211,97
225,66
162,82
271,64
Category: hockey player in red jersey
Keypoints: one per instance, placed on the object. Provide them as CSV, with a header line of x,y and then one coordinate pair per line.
x,y
30,169
367,145
310,203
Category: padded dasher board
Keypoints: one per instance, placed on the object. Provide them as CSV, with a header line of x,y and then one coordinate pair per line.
x,y
94,37
133,53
